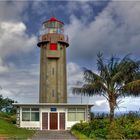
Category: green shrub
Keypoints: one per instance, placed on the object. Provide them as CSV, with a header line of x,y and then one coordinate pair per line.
x,y
136,129
11,118
80,126
99,124
123,127
86,131
99,133
126,126
114,132
136,126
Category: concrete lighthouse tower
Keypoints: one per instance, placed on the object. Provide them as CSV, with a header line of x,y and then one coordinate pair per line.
x,y
53,44
52,112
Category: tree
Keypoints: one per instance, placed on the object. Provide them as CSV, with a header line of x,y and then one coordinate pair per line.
x,y
116,78
6,105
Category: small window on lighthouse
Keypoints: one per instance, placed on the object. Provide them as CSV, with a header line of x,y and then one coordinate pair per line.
x,y
53,94
53,46
52,71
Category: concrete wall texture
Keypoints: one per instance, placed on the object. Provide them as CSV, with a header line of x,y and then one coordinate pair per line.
x,y
53,81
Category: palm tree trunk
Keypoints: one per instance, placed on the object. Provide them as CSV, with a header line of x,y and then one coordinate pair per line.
x,y
111,115
112,104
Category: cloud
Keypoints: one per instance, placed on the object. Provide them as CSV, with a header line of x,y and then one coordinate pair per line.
x,y
115,30
74,73
3,68
129,104
39,7
84,7
14,38
12,10
100,102
21,84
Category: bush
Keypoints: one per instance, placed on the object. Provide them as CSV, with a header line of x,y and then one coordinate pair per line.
x,y
80,126
114,132
126,125
136,129
99,133
99,124
86,131
8,117
123,127
136,126
96,128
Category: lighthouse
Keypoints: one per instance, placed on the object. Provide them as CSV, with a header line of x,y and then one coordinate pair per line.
x,y
52,112
53,44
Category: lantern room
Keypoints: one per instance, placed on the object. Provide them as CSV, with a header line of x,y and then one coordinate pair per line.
x,y
53,26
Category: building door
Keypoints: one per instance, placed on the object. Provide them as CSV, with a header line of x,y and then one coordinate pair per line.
x,y
44,120
62,121
53,120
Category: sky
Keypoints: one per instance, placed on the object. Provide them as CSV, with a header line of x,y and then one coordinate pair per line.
x,y
110,26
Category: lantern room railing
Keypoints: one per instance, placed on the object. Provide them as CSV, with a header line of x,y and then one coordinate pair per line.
x,y
46,38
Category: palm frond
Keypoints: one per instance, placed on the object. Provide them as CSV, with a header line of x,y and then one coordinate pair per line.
x,y
90,76
117,77
96,88
129,68
103,68
132,88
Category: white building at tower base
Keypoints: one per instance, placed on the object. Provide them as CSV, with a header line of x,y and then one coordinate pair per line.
x,y
51,116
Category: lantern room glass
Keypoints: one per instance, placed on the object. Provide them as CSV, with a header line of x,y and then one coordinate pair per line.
x,y
53,27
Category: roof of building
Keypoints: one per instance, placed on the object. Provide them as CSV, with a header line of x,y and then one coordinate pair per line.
x,y
50,104
53,19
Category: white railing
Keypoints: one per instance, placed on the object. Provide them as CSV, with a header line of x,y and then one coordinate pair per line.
x,y
66,39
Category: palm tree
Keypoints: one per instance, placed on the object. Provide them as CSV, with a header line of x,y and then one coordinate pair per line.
x,y
116,78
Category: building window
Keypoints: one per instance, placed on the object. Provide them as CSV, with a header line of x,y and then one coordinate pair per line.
x,y
53,93
25,116
71,116
52,71
34,116
76,114
30,114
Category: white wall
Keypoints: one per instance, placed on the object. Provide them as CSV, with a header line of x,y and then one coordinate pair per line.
x,y
38,124
29,124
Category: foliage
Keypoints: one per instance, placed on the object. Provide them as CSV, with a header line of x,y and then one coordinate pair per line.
x,y
6,105
79,135
116,78
126,126
11,131
136,126
96,128
11,118
114,132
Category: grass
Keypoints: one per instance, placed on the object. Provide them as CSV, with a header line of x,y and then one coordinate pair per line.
x,y
7,129
79,136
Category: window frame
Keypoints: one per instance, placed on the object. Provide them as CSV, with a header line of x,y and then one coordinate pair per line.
x,y
76,111
30,110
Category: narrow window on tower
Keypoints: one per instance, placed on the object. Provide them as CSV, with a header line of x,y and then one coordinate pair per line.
x,y
52,71
53,46
53,93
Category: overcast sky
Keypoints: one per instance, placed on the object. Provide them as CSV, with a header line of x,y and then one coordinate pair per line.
x,y
111,27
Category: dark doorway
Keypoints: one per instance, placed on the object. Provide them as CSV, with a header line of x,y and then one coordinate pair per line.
x,y
44,120
53,121
62,121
